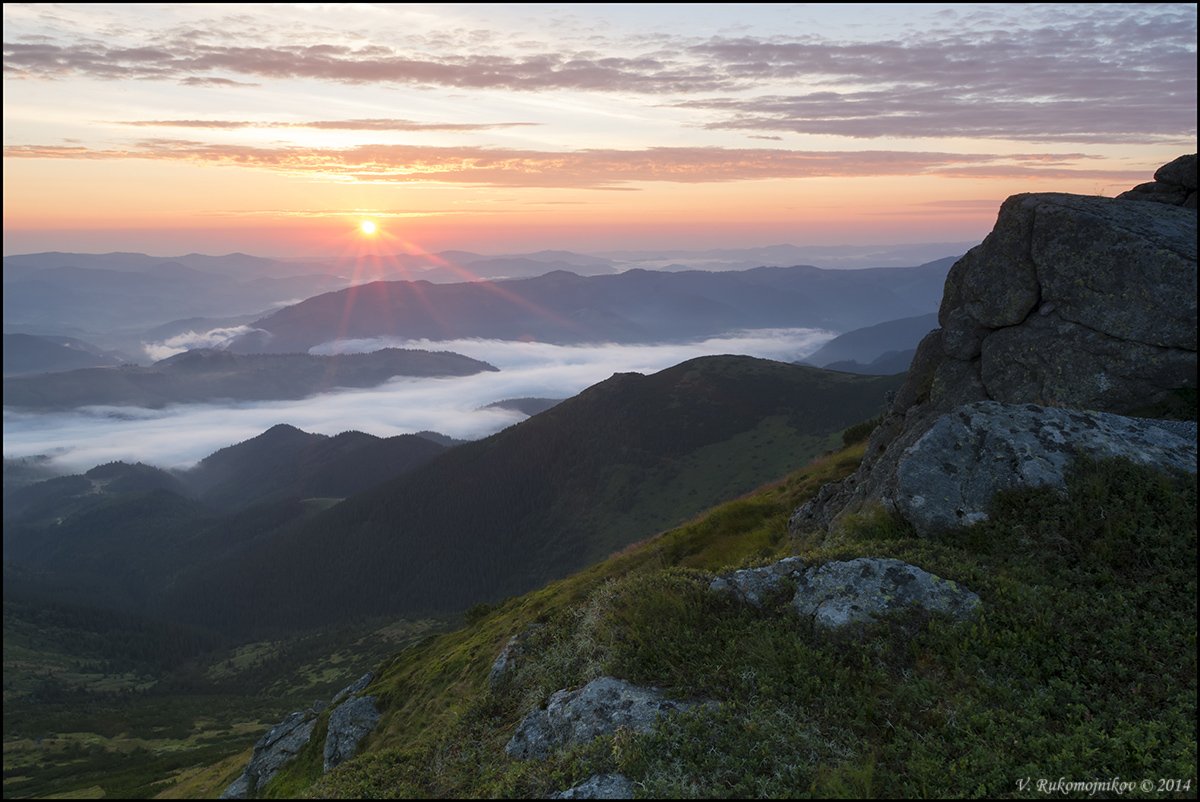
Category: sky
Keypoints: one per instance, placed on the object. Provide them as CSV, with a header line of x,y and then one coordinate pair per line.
x,y
182,434
276,129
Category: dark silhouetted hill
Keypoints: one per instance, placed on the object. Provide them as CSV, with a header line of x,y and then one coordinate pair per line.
x,y
620,461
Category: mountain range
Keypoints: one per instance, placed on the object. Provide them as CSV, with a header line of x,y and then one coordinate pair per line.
x,y
881,349
210,375
635,306
253,540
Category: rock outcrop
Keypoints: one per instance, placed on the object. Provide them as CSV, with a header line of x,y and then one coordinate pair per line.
x,y
598,708
838,594
947,478
601,786
349,723
354,688
754,586
1174,183
279,746
351,720
1071,301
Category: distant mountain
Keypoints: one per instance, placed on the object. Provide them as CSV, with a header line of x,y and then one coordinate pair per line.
x,y
30,353
635,306
209,375
115,292
616,463
883,365
836,257
868,344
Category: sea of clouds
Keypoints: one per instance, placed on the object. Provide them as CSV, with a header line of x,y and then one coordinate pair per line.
x,y
180,435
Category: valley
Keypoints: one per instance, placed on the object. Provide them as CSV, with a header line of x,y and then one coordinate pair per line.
x,y
600,401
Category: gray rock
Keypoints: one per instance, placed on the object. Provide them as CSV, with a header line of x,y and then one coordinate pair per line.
x,y
504,661
995,284
754,585
1126,270
949,476
1052,361
349,723
837,594
1174,183
1157,192
601,786
357,687
1071,301
273,751
1180,172
598,708
238,789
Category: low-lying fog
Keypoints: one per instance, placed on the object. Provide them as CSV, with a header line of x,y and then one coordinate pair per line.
x,y
178,436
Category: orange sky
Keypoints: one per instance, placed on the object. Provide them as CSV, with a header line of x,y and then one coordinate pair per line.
x,y
274,130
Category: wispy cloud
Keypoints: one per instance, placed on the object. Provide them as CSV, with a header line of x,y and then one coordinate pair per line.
x,y
182,434
213,338
599,168
380,124
185,59
1081,73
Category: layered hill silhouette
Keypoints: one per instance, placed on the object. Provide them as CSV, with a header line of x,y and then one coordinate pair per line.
x,y
620,461
209,374
247,540
30,353
635,306
875,349
116,534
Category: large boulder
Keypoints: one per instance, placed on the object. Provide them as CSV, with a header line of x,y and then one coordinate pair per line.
x,y
949,476
755,586
1071,301
273,751
838,594
599,708
1174,183
349,723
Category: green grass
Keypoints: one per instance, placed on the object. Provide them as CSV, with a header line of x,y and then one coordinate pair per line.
x,y
1081,665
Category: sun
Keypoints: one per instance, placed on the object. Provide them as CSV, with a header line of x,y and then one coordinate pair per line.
x,y
368,228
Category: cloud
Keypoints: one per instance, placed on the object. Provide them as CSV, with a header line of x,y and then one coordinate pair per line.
x,y
214,338
597,168
332,125
218,83
180,435
1081,73
187,59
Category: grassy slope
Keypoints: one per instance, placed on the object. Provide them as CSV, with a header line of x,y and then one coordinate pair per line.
x,y
540,500
1082,665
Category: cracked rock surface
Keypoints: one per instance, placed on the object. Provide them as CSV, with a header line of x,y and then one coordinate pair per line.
x,y
598,708
948,477
1071,301
837,594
